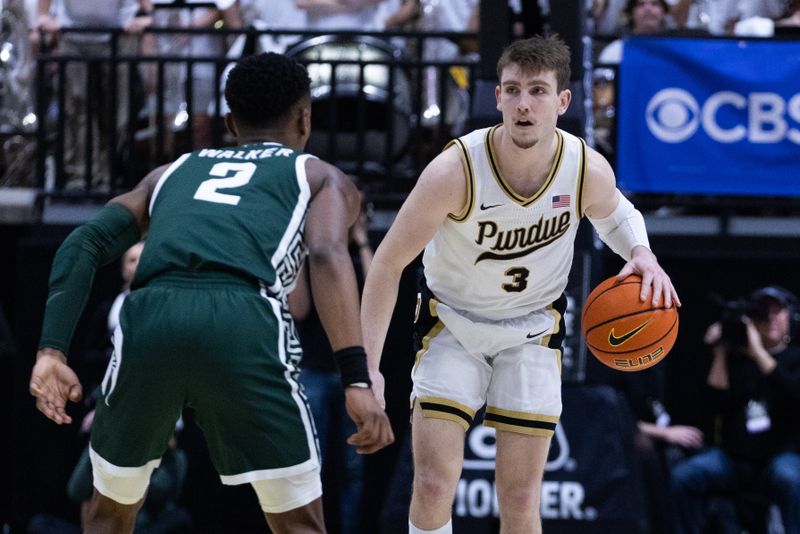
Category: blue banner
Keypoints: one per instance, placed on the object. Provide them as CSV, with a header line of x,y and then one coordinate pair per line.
x,y
709,116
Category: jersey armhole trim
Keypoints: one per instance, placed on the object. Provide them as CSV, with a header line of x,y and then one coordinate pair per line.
x,y
470,178
581,179
163,178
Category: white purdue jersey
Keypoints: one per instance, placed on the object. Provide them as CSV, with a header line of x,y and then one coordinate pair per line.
x,y
506,255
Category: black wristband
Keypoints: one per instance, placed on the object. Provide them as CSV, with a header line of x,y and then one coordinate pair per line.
x,y
352,364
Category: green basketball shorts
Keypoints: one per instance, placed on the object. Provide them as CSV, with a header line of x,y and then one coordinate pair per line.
x,y
219,346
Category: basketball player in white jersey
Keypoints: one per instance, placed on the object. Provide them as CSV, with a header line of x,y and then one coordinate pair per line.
x,y
496,213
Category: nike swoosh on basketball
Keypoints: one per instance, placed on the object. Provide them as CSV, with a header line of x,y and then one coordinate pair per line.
x,y
615,341
531,336
490,206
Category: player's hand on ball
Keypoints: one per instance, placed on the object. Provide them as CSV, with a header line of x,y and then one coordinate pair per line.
x,y
655,282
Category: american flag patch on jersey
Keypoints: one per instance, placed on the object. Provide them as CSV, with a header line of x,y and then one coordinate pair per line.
x,y
560,201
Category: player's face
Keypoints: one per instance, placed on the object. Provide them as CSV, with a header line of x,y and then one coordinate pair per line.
x,y
130,260
530,103
775,326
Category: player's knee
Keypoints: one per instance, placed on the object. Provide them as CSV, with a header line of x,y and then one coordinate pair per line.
x,y
430,485
124,485
283,494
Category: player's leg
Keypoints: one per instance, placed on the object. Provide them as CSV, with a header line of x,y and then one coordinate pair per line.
x,y
438,447
306,519
142,397
254,415
107,516
292,505
524,405
519,469
450,385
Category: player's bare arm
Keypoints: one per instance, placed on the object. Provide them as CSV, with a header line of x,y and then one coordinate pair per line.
x,y
53,382
335,205
441,190
621,227
137,200
333,208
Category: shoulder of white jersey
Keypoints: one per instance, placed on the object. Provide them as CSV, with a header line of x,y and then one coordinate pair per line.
x,y
473,138
582,167
469,176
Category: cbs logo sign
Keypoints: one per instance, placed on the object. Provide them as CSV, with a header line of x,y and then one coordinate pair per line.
x,y
673,115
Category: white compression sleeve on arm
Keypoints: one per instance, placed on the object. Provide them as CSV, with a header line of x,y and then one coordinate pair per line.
x,y
623,229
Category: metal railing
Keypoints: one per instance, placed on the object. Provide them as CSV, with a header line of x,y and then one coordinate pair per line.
x,y
379,109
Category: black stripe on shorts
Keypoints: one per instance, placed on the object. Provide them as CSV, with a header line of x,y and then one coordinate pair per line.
x,y
527,423
445,408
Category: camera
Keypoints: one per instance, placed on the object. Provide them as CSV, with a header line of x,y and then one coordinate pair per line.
x,y
734,331
755,306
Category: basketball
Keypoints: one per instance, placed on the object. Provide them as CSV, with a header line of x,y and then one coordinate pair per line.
x,y
623,332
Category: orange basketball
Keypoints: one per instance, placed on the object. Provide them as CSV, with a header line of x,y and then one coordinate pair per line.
x,y
622,331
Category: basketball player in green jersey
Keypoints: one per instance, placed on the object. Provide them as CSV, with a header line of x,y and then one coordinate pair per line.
x,y
206,324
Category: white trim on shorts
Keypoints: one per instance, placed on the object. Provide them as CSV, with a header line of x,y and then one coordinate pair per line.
x,y
270,474
281,495
117,471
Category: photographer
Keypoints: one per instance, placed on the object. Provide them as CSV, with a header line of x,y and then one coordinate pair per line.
x,y
754,389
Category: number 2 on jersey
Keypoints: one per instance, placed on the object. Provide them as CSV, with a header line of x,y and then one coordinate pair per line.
x,y
242,173
519,279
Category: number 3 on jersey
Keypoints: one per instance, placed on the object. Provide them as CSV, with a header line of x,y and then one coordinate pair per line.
x,y
242,173
519,279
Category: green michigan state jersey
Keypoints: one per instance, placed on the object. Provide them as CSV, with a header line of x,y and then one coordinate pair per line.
x,y
239,210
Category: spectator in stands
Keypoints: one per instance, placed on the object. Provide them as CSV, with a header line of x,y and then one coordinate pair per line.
x,y
271,15
17,94
133,16
436,16
266,15
205,78
791,17
719,16
607,16
363,15
645,17
767,27
342,467
659,443
405,16
754,383
205,131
